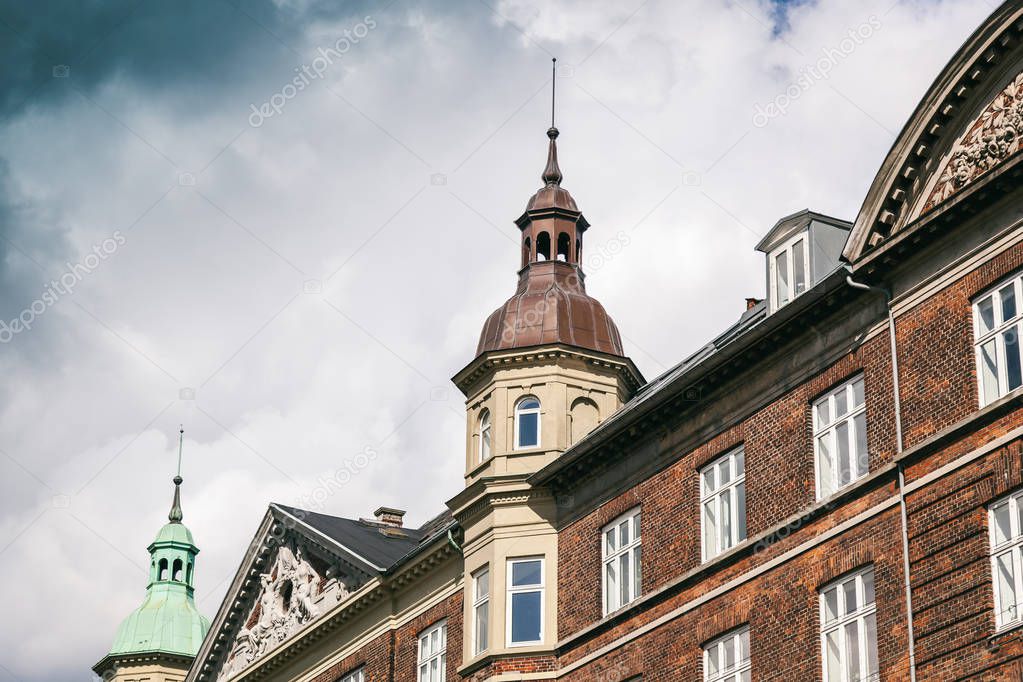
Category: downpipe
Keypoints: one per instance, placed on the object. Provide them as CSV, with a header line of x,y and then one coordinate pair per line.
x,y
899,465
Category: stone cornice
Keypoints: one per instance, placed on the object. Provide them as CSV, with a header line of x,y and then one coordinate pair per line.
x,y
491,361
902,191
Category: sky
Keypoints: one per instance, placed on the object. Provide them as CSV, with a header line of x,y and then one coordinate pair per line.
x,y
281,224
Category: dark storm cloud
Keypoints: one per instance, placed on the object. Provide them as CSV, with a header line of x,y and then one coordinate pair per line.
x,y
197,44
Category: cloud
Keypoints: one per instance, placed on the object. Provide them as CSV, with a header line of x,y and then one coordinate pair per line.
x,y
299,291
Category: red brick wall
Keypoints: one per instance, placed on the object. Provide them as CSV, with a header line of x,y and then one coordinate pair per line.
x,y
406,640
937,369
779,484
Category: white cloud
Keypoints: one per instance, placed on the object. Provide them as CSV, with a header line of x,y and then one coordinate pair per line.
x,y
207,291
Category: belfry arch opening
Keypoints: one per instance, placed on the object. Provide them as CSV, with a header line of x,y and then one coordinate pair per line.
x,y
564,247
161,573
543,247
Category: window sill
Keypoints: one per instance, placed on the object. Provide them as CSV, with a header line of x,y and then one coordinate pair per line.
x,y
995,641
489,657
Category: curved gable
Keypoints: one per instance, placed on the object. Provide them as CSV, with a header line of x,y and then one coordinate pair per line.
x,y
966,125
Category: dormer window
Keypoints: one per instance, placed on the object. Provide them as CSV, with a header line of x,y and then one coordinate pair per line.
x,y
789,267
802,250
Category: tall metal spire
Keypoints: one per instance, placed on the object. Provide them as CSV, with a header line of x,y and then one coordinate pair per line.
x,y
552,173
175,515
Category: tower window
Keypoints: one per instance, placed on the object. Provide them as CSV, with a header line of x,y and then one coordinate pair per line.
x,y
188,574
543,246
527,423
162,572
176,573
564,246
526,251
525,611
485,432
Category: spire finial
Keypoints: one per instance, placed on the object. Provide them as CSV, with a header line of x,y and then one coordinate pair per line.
x,y
554,83
175,515
552,173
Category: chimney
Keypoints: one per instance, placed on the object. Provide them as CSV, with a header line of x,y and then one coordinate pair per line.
x,y
389,517
751,303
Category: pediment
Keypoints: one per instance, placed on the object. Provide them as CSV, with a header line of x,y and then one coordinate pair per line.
x,y
965,127
290,578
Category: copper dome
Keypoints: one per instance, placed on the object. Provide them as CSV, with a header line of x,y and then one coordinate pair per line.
x,y
551,306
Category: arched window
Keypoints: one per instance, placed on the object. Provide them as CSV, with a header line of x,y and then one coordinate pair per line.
x,y
564,246
526,251
543,246
578,251
188,573
161,574
527,423
176,573
485,432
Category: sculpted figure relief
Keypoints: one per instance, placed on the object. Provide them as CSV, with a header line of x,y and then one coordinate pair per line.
x,y
991,139
287,601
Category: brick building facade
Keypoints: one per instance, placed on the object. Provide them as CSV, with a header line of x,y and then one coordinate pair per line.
x,y
826,491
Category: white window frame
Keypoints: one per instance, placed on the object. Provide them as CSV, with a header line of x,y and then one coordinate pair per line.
x,y
519,411
486,435
357,675
772,261
480,602
863,612
741,667
1001,328
735,461
1012,545
511,589
426,654
829,432
615,554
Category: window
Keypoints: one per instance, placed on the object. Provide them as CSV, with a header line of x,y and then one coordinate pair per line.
x,y
840,437
543,247
723,503
789,267
162,574
849,629
433,647
485,435
176,570
1007,558
996,331
527,423
354,676
623,555
726,659
481,610
525,601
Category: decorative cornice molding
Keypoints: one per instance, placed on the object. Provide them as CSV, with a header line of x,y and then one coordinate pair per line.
x,y
900,192
494,360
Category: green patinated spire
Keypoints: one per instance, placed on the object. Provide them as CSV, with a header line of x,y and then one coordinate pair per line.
x,y
168,620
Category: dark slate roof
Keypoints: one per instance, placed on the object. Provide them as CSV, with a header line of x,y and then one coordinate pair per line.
x,y
749,319
379,546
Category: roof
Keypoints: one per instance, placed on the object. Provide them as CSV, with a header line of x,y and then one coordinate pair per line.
x,y
551,305
680,374
381,546
789,224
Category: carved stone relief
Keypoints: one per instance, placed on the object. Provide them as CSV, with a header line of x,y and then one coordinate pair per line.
x,y
990,140
291,594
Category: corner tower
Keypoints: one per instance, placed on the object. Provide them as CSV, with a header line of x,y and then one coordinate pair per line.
x,y
549,365
159,639
549,368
